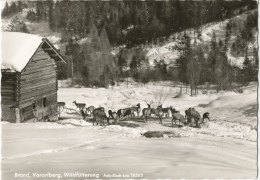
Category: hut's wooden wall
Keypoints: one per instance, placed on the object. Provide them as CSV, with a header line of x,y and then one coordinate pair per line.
x,y
38,81
8,94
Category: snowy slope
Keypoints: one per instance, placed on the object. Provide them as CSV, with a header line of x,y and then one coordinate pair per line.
x,y
167,53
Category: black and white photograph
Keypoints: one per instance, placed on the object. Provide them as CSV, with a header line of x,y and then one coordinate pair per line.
x,y
134,89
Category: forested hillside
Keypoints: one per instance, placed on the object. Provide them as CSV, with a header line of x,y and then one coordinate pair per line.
x,y
91,30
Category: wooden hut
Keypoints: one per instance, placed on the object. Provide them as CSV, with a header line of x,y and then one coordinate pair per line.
x,y
29,79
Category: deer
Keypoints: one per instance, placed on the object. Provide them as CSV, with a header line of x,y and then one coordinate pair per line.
x,y
159,113
166,111
119,113
110,114
99,115
205,116
176,116
89,110
115,117
191,113
61,104
79,105
128,113
136,109
146,111
123,112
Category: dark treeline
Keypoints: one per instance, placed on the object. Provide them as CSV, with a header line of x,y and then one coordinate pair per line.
x,y
13,8
134,22
207,63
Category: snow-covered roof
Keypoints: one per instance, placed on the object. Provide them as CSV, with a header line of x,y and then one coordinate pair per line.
x,y
18,48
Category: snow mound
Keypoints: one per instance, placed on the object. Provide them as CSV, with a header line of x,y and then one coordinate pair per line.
x,y
5,122
183,96
74,122
235,101
125,131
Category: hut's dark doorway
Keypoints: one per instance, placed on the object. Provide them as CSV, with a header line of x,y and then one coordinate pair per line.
x,y
39,108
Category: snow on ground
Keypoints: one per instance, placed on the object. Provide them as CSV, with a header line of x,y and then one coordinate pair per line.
x,y
225,148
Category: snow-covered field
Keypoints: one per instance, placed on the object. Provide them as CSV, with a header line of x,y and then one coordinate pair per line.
x,y
227,148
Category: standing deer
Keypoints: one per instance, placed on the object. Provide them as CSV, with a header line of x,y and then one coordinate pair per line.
x,y
159,113
146,112
61,105
166,111
79,105
136,109
99,116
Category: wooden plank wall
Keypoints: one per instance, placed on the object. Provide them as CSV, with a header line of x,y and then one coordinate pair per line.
x,y
8,85
38,80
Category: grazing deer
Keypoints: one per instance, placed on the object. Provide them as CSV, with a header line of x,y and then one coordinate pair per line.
x,y
123,111
79,105
136,109
191,113
110,114
128,113
205,116
176,116
154,111
119,113
89,110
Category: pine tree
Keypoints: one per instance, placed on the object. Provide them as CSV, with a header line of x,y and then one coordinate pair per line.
x,y
185,50
121,63
106,75
20,6
85,75
13,8
6,10
50,14
17,25
58,16
248,71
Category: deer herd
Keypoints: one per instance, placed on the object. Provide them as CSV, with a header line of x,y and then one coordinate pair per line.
x,y
99,115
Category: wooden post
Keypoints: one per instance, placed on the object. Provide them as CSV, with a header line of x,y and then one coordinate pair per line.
x,y
17,115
